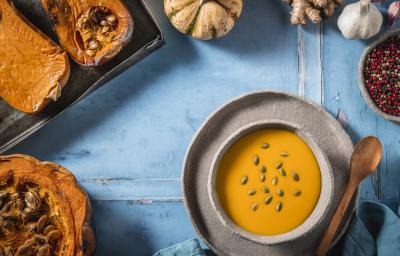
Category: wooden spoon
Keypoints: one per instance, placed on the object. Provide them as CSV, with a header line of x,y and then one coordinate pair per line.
x,y
365,159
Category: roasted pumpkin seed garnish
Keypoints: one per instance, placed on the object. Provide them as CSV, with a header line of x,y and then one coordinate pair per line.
x,y
265,189
295,176
263,169
262,177
254,207
252,192
274,181
279,206
282,171
279,165
297,192
265,146
280,192
284,154
244,180
256,159
268,199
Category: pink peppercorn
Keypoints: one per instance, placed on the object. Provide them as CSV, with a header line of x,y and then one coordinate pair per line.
x,y
382,76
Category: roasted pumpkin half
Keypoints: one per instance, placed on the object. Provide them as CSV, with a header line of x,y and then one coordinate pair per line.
x,y
43,211
203,19
91,31
33,69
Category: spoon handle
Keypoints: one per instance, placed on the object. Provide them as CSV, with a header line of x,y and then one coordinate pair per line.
x,y
336,219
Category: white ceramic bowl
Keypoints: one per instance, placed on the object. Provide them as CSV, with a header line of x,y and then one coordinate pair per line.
x,y
361,79
320,210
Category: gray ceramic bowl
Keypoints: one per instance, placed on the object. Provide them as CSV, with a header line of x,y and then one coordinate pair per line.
x,y
361,79
320,209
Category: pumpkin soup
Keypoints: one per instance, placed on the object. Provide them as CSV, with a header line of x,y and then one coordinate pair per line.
x,y
269,182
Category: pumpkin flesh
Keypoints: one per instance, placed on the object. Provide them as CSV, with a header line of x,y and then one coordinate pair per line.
x,y
33,69
91,31
56,196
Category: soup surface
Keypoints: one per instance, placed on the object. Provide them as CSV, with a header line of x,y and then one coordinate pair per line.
x,y
269,182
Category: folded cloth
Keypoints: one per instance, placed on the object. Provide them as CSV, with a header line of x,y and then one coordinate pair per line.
x,y
373,231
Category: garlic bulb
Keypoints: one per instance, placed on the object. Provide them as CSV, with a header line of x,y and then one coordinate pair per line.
x,y
360,20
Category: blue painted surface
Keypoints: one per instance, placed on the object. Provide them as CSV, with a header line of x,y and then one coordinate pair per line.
x,y
126,141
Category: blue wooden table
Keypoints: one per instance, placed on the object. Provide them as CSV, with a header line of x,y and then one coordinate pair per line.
x,y
126,141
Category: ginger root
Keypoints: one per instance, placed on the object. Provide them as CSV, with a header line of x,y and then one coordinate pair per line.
x,y
315,10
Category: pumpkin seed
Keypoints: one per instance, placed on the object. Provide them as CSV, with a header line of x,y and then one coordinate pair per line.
x,y
265,145
279,206
263,169
32,199
295,176
41,223
284,154
111,18
262,177
90,53
25,249
256,159
274,181
54,235
279,165
48,229
265,189
93,45
268,199
105,29
280,192
297,192
244,180
44,250
252,192
254,207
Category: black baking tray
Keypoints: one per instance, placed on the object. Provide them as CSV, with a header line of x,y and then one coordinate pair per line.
x,y
147,37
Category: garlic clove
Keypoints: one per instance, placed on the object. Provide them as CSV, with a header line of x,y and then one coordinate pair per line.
x,y
360,20
394,12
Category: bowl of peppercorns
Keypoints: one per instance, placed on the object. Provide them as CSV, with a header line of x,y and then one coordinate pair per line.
x,y
379,75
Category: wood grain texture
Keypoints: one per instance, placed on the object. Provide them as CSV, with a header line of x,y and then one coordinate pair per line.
x,y
126,141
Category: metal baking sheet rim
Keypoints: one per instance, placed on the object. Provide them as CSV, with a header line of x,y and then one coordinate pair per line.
x,y
123,66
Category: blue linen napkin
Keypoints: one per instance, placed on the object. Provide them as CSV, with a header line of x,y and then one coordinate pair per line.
x,y
374,230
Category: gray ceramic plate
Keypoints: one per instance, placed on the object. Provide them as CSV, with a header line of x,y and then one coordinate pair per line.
x,y
325,130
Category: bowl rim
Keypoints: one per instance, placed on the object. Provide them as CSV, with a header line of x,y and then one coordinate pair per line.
x,y
361,78
317,215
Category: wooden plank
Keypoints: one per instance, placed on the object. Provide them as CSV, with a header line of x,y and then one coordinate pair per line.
x,y
310,62
133,189
342,96
131,228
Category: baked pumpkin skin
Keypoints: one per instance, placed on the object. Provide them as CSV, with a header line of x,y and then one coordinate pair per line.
x,y
43,210
203,19
91,31
33,69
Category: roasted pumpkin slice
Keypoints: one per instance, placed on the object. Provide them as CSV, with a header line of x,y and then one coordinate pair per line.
x,y
33,69
91,31
43,211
